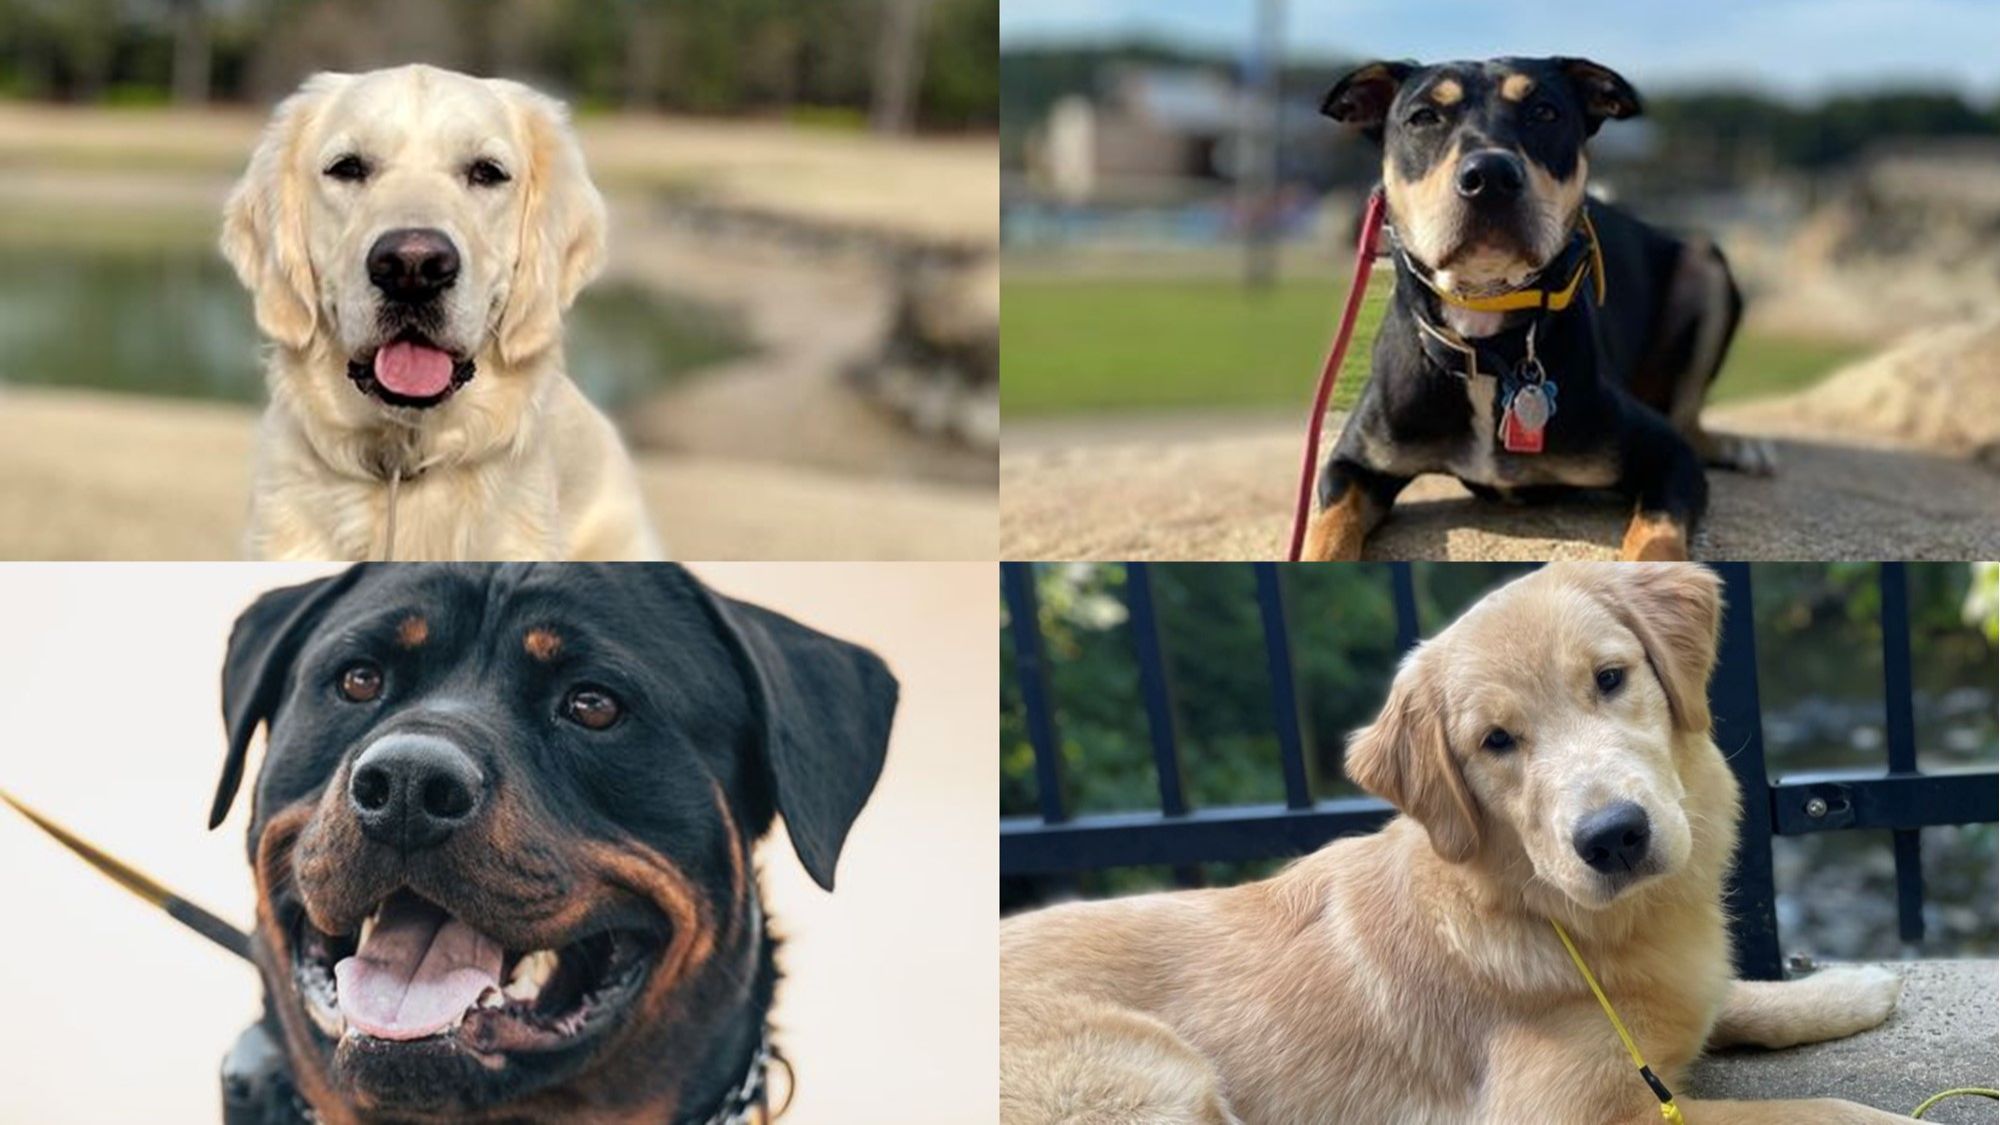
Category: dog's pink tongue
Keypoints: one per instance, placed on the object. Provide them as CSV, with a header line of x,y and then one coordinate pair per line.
x,y
417,973
413,370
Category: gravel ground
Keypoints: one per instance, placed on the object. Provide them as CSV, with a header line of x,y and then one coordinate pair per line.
x,y
90,475
1228,495
1942,1036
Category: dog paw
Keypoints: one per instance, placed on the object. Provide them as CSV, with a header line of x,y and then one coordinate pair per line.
x,y
1757,457
1868,992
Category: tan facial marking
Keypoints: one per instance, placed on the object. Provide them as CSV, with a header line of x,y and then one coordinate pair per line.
x,y
1560,201
542,644
1421,208
1447,92
1515,87
413,631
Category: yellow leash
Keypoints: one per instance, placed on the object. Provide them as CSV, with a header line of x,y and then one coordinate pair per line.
x,y
1962,1091
1668,1109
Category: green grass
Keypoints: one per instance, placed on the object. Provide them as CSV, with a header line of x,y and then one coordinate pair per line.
x,y
1100,345
1760,364
1083,344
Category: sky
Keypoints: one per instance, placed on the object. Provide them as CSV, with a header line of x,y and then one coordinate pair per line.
x,y
1799,47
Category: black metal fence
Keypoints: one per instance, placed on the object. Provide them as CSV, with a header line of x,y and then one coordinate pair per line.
x,y
1902,800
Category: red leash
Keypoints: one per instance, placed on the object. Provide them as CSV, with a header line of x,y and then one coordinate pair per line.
x,y
1364,263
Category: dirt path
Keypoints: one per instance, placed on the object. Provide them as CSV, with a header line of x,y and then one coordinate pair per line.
x,y
1228,495
89,475
936,188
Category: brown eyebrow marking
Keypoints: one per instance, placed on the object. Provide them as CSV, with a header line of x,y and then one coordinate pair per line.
x,y
413,631
1447,92
1516,87
542,644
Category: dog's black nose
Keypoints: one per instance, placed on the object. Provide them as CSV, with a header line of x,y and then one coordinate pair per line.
x,y
412,265
1491,174
1613,839
412,791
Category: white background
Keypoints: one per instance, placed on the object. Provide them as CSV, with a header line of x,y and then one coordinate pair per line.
x,y
110,723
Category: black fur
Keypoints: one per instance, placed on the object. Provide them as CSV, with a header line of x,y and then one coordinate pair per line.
x,y
1614,364
718,695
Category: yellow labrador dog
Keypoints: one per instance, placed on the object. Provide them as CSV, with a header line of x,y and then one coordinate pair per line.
x,y
1550,755
412,238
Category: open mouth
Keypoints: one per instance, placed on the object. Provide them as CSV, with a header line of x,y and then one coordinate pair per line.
x,y
415,973
410,371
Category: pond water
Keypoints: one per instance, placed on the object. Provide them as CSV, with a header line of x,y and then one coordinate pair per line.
x,y
174,321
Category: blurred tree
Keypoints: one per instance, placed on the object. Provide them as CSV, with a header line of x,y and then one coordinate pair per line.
x,y
907,63
898,65
191,53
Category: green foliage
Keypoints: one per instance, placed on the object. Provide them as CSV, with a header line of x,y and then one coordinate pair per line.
x,y
1817,629
739,56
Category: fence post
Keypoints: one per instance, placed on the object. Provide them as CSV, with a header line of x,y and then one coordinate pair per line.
x,y
1286,712
1017,585
1156,690
1403,588
1750,895
1900,724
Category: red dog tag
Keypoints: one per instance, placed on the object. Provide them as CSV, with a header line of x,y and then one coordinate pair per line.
x,y
1527,416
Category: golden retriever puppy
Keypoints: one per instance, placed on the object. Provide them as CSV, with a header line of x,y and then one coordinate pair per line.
x,y
412,238
1550,755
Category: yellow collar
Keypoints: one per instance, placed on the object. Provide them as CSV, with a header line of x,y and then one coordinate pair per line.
x,y
1591,262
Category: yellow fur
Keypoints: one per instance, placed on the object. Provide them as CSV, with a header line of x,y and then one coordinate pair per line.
x,y
1411,976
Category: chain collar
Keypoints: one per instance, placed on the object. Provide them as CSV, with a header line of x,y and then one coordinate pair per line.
x,y
747,1096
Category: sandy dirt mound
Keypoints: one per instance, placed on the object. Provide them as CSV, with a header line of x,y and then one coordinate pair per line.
x,y
1937,390
88,475
1229,496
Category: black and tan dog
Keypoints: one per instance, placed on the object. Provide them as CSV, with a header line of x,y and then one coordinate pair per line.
x,y
1537,341
502,838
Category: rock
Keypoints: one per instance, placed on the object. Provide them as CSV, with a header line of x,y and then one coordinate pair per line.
x,y
939,364
1938,389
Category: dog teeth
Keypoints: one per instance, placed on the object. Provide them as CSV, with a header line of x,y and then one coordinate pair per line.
x,y
491,998
328,1021
367,927
531,974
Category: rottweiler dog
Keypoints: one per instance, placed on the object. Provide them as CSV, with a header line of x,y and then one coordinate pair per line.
x,y
1538,341
502,838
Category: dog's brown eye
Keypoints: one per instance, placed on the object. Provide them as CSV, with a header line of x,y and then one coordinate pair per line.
x,y
350,168
1498,741
1423,117
361,683
591,708
1542,113
1610,679
485,173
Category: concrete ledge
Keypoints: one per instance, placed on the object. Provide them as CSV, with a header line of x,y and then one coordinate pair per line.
x,y
1945,1033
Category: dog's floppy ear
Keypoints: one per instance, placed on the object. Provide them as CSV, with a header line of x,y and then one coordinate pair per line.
x,y
1603,93
1361,100
1675,609
562,227
262,646
1405,758
824,708
264,225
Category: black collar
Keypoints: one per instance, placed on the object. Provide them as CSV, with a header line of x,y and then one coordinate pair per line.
x,y
751,1095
